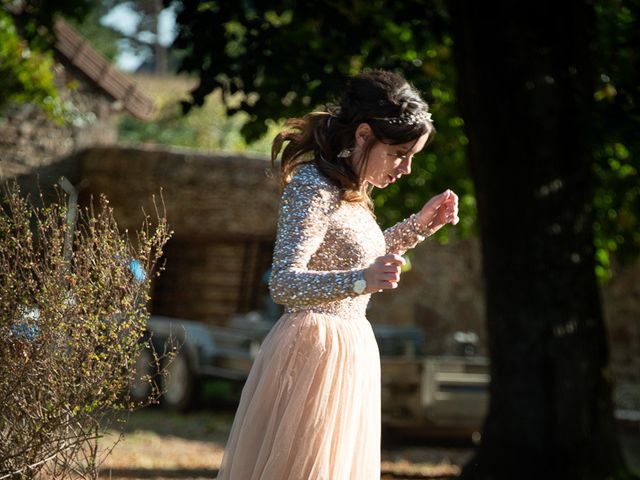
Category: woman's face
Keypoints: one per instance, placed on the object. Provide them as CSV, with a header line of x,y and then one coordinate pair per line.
x,y
387,163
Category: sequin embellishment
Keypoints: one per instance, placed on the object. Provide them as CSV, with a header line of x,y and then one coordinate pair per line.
x,y
323,245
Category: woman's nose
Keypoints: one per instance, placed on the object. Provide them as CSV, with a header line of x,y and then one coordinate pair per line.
x,y
405,167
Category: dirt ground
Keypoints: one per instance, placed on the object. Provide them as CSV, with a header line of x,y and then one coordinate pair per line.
x,y
159,445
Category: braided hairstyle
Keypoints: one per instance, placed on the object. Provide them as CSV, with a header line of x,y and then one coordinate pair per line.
x,y
384,100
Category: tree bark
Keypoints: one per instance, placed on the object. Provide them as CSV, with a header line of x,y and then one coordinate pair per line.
x,y
159,51
525,92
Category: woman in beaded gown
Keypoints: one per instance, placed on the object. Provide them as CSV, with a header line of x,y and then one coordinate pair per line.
x,y
310,408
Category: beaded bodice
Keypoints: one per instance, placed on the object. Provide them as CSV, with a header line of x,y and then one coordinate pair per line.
x,y
324,244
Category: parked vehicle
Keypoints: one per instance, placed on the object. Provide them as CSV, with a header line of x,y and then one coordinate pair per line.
x,y
202,352
434,395
439,396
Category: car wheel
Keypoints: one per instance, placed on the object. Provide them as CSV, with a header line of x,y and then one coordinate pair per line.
x,y
178,384
141,384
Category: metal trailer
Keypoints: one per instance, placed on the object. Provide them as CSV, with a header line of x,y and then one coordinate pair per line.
x,y
437,396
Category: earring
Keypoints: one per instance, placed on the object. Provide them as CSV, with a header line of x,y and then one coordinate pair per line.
x,y
345,153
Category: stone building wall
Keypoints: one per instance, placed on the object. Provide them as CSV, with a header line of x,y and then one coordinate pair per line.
x,y
222,210
206,195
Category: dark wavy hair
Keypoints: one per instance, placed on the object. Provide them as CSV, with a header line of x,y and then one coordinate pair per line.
x,y
318,137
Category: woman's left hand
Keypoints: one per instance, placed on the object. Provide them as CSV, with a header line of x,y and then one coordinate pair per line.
x,y
439,211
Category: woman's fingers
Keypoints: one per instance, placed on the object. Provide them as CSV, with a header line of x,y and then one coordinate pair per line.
x,y
384,272
456,218
389,272
391,259
387,284
440,210
390,277
452,208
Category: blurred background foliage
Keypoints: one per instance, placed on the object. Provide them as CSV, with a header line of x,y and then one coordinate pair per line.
x,y
206,128
25,71
267,61
26,57
616,140
290,57
253,49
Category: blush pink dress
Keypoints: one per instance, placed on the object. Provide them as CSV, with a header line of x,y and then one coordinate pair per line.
x,y
310,408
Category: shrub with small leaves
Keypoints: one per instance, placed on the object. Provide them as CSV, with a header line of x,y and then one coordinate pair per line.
x,y
72,316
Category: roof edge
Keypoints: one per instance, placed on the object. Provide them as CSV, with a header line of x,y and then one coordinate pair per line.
x,y
78,52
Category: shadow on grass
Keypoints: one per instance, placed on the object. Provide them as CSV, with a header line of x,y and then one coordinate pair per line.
x,y
156,473
126,473
200,425
209,417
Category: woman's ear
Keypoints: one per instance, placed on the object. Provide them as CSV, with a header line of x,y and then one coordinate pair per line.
x,y
363,134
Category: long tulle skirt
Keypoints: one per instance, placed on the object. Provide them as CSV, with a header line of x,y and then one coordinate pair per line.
x,y
310,408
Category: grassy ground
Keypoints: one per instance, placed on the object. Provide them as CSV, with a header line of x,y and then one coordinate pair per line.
x,y
159,445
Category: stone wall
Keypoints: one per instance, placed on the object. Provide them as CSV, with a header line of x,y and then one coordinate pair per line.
x,y
221,208
206,195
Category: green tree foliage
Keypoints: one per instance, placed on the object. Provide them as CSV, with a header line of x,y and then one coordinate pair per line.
x,y
26,61
206,128
291,56
617,146
25,72
36,17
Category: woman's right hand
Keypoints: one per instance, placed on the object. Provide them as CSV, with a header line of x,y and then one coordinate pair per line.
x,y
383,273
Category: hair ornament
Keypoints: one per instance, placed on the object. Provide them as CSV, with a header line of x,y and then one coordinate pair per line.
x,y
408,119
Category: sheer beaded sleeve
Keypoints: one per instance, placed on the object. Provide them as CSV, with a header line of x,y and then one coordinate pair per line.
x,y
404,235
305,207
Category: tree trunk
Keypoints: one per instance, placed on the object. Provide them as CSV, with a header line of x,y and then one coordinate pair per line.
x,y
525,92
159,51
